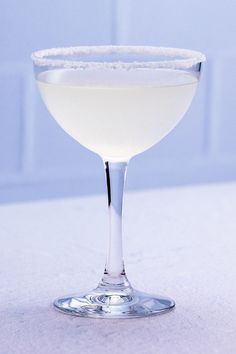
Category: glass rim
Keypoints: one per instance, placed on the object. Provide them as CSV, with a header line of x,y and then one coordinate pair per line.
x,y
185,58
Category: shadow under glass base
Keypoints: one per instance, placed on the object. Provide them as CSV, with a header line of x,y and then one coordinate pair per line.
x,y
114,303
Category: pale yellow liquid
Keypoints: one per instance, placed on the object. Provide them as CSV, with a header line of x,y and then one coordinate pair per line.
x,y
117,114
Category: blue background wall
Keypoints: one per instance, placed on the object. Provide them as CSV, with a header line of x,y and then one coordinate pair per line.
x,y
38,160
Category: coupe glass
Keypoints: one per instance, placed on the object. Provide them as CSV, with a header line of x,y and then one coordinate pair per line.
x,y
117,101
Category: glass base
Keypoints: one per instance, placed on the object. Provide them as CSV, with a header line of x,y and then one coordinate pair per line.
x,y
125,303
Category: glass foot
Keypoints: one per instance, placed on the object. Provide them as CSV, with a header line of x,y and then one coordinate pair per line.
x,y
127,303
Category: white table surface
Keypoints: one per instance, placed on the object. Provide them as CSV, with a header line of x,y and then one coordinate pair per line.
x,y
180,242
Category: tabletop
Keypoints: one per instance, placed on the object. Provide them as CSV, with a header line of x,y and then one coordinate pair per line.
x,y
179,242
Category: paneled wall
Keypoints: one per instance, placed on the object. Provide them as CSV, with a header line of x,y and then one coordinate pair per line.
x,y
38,160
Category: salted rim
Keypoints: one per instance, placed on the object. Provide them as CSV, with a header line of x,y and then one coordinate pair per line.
x,y
189,57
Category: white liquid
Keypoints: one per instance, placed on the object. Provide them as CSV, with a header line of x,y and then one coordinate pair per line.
x,y
117,114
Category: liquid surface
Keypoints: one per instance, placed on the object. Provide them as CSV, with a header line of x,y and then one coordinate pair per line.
x,y
117,114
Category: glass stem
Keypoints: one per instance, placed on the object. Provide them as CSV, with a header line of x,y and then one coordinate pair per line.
x,y
114,273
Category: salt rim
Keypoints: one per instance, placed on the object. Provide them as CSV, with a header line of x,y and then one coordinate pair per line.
x,y
190,57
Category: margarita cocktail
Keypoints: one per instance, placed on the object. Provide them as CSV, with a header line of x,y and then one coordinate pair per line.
x,y
117,101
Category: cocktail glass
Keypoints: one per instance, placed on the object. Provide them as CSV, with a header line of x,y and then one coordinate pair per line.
x,y
117,101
